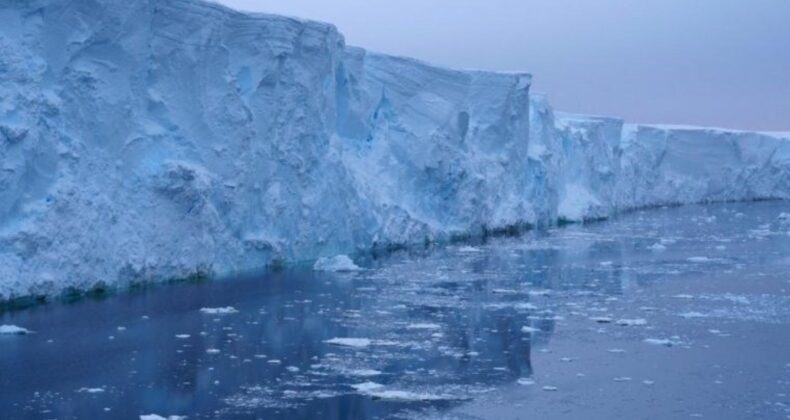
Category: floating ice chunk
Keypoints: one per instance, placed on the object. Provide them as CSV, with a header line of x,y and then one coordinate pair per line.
x,y
616,350
377,390
622,379
648,382
349,342
423,326
658,247
182,336
631,322
367,386
692,314
529,330
468,249
504,291
549,388
228,310
13,330
212,351
364,372
525,381
398,395
158,417
698,260
662,342
98,390
339,263
293,369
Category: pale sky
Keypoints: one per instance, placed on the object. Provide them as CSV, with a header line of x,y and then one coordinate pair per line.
x,y
721,63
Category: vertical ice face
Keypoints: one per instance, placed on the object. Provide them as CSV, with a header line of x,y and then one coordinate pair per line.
x,y
438,152
154,139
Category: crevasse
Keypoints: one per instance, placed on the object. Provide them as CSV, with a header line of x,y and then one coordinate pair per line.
x,y
157,139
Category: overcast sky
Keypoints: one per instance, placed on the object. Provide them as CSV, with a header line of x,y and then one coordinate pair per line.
x,y
706,62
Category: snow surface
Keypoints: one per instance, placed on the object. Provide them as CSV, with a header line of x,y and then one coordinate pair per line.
x,y
145,141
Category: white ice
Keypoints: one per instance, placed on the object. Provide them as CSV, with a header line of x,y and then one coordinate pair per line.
x,y
193,140
13,330
339,263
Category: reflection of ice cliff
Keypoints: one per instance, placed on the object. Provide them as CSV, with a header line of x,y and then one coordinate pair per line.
x,y
150,140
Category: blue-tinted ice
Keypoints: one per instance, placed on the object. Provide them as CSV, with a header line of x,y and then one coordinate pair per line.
x,y
666,313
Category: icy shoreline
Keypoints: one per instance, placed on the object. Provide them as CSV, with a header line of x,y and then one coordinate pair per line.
x,y
148,141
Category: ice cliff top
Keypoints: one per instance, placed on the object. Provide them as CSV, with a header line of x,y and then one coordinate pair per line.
x,y
150,140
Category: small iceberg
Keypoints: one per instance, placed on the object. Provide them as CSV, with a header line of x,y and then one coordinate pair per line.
x,y
662,342
631,322
158,417
228,310
13,330
339,263
423,326
349,342
97,390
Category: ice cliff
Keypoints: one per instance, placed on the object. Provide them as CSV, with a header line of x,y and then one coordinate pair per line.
x,y
155,139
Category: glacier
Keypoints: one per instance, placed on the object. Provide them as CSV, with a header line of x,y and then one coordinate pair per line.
x,y
163,139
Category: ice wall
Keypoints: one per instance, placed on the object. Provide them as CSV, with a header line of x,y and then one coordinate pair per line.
x,y
157,139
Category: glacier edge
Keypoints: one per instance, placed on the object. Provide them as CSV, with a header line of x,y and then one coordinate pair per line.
x,y
149,140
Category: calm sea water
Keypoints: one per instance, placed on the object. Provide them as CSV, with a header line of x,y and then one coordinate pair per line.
x,y
666,313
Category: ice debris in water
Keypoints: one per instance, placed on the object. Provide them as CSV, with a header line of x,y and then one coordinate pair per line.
x,y
662,342
97,390
549,388
631,322
219,311
364,372
423,326
349,342
692,314
367,386
339,263
527,329
657,247
525,381
468,249
13,330
698,259
158,417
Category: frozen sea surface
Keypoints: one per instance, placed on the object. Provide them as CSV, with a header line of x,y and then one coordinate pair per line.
x,y
666,313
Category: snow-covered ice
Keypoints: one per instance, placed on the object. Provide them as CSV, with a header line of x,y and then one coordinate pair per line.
x,y
151,140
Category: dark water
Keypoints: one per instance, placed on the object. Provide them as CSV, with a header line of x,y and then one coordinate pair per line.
x,y
667,313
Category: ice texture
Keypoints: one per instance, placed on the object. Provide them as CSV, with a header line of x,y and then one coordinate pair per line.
x,y
153,140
